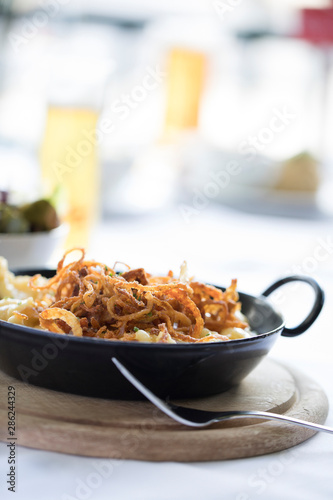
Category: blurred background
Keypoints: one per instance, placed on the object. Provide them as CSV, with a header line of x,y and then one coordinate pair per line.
x,y
170,130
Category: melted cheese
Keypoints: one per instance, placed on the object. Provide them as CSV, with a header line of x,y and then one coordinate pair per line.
x,y
236,333
21,312
143,336
17,299
16,287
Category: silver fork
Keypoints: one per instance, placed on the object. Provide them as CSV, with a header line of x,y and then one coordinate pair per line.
x,y
203,418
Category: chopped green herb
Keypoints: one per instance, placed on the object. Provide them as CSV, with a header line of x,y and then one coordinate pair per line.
x,y
136,329
111,274
150,314
120,273
106,269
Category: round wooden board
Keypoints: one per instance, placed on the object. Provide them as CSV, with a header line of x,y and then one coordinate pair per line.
x,y
67,423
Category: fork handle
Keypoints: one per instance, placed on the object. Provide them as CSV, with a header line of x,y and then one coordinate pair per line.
x,y
275,416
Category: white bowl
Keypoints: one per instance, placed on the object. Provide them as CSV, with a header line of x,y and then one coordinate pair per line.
x,y
32,250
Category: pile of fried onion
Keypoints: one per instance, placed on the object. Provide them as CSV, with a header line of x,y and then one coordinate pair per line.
x,y
87,298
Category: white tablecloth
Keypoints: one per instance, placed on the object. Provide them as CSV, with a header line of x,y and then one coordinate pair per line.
x,y
218,245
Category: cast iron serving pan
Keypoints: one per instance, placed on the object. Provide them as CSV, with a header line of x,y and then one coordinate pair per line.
x,y
82,365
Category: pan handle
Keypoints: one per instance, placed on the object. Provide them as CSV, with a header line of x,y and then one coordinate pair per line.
x,y
316,308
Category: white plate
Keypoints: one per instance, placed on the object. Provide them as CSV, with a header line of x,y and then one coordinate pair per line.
x,y
30,250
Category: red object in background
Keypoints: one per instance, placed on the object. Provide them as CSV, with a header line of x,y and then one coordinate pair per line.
x,y
317,25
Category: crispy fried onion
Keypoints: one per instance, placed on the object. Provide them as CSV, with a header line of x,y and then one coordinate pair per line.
x,y
90,299
53,320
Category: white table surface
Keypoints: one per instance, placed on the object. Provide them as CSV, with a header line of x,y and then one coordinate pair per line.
x,y
218,245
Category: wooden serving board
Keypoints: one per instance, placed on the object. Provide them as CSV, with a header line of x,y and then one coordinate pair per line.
x,y
67,423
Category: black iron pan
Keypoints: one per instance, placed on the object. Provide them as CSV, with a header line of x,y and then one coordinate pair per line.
x,y
82,365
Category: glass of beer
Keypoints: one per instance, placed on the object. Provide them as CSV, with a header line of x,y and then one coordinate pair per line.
x,y
69,151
